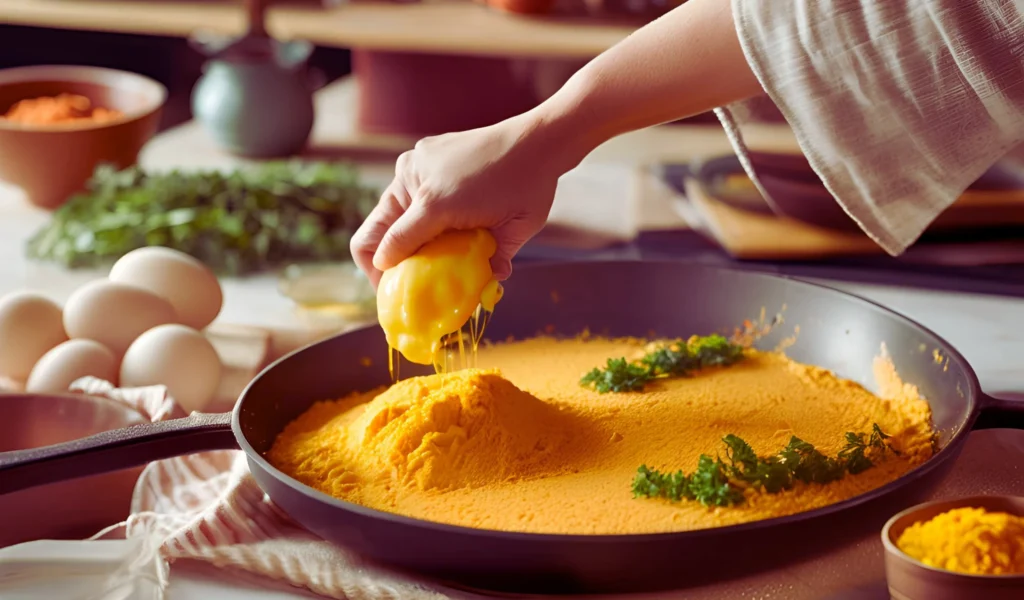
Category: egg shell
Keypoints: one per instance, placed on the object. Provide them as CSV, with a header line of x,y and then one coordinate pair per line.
x,y
178,357
30,325
188,284
73,359
114,314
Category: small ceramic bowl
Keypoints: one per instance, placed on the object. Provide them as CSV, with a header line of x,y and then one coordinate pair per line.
x,y
72,509
50,163
910,579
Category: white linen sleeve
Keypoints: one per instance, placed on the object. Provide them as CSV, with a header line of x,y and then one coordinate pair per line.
x,y
899,105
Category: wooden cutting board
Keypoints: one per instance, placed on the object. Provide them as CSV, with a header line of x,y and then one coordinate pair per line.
x,y
756,233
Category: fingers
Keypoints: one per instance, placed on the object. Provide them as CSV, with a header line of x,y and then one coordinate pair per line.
x,y
415,227
510,237
369,235
501,267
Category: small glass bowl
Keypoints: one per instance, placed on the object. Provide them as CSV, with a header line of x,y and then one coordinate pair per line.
x,y
329,294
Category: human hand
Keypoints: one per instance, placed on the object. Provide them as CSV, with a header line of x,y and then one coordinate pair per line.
x,y
501,177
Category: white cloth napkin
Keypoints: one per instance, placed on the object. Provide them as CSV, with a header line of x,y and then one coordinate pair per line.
x,y
208,507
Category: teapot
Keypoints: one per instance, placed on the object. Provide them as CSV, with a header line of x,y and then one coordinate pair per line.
x,y
255,97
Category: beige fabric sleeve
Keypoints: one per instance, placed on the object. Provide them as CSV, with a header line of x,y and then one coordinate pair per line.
x,y
899,105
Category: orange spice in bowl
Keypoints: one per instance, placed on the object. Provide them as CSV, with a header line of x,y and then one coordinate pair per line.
x,y
52,150
951,549
968,540
62,108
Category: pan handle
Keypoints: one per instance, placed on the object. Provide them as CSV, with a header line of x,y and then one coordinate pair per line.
x,y
114,450
997,413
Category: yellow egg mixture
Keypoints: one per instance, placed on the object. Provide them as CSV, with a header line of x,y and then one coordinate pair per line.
x,y
433,293
528,449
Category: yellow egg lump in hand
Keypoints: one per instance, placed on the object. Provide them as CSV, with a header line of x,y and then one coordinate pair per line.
x,y
435,292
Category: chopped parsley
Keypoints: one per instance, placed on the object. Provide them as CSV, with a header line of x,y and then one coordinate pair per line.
x,y
676,359
709,484
855,453
722,483
618,376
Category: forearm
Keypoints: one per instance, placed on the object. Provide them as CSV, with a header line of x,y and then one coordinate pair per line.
x,y
685,63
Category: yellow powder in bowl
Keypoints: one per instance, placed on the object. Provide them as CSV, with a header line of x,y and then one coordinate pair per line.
x,y
527,448
968,540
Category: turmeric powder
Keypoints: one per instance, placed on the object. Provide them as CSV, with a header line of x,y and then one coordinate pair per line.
x,y
527,448
63,108
968,540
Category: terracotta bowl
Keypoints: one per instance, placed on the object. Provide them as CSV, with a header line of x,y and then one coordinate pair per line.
x,y
910,579
72,509
53,162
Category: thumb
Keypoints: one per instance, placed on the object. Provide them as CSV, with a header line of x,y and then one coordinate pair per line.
x,y
407,234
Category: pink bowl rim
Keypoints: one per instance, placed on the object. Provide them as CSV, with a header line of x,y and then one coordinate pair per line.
x,y
154,91
894,550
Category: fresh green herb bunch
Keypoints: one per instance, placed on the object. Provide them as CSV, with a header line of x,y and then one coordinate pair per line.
x,y
237,223
717,483
676,359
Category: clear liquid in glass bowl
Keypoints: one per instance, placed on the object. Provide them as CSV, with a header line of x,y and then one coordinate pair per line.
x,y
329,293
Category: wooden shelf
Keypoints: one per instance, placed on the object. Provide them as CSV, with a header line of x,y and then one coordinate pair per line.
x,y
177,19
336,135
446,27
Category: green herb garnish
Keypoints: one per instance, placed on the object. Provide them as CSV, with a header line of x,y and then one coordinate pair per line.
x,y
809,465
709,484
675,359
856,449
716,483
617,376
769,473
237,223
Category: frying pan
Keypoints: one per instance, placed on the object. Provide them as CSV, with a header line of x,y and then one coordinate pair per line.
x,y
838,331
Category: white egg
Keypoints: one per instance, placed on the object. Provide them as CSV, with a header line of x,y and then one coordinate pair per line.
x,y
30,325
73,359
178,357
114,314
189,285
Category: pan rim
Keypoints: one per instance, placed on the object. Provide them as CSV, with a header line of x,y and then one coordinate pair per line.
x,y
935,461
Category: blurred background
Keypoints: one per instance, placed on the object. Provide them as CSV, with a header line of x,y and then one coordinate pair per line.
x,y
260,133
166,58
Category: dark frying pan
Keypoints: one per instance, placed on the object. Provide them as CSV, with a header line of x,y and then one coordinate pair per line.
x,y
837,331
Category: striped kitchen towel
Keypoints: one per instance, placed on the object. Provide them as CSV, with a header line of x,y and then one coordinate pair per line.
x,y
208,507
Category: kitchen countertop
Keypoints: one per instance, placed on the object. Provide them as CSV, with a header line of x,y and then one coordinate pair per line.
x,y
992,462
982,327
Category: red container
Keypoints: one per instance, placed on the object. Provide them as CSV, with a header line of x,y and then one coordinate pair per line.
x,y
418,95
